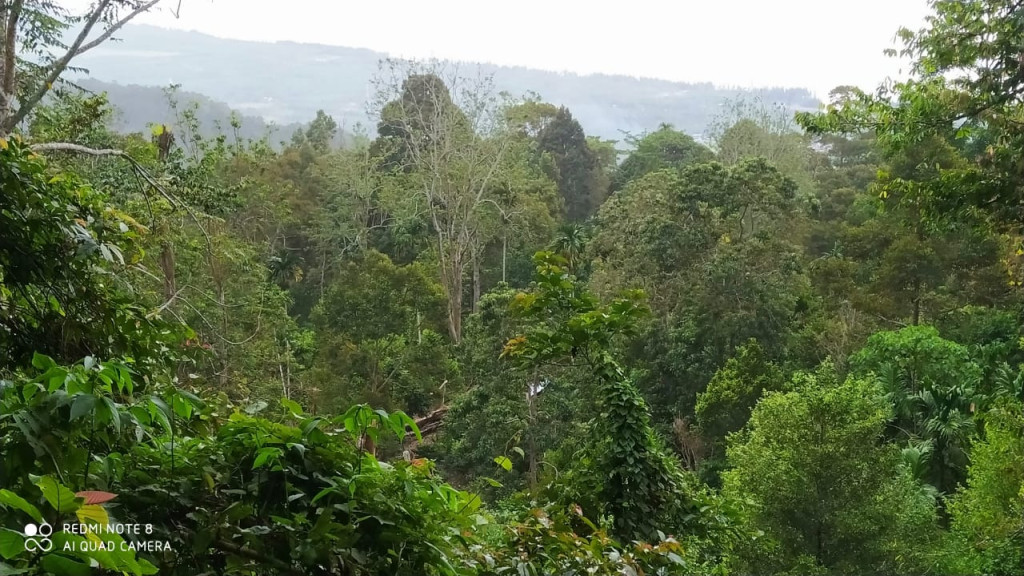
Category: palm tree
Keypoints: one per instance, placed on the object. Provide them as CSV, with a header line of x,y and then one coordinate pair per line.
x,y
570,243
936,414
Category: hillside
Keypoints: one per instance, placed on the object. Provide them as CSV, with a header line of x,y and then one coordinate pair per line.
x,y
468,347
139,106
286,82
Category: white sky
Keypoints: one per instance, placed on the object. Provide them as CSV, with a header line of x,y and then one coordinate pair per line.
x,y
817,44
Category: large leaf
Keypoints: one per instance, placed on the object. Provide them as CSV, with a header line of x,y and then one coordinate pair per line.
x,y
63,566
256,407
160,412
6,570
401,421
95,496
266,455
292,406
80,547
82,406
182,407
146,568
11,543
92,515
115,416
42,362
61,498
12,500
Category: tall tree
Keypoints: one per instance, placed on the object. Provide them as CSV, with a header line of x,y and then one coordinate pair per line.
x,y
751,128
696,240
577,168
33,55
988,512
446,137
933,385
826,491
965,87
664,148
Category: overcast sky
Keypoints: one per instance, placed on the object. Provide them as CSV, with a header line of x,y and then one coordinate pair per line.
x,y
816,44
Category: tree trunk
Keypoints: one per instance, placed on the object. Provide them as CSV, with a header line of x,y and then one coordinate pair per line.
x,y
820,547
167,267
366,444
531,446
284,386
504,251
453,285
10,12
917,303
323,273
287,369
476,279
455,313
226,363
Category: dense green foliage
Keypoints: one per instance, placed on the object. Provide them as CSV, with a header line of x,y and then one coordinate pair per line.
x,y
485,343
826,493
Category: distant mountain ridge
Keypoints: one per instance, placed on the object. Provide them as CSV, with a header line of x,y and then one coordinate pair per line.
x,y
286,83
139,107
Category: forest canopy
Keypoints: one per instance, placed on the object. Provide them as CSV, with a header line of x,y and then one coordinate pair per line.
x,y
483,341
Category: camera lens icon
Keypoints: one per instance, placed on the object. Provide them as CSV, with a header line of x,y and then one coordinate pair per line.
x,y
37,538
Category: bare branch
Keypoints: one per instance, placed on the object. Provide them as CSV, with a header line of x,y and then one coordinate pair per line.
x,y
77,148
139,169
56,69
79,46
10,58
117,26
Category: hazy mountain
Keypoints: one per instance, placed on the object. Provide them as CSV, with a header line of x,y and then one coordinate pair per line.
x,y
286,82
138,107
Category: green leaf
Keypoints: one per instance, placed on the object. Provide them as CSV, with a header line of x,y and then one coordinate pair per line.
x,y
115,416
61,498
504,463
265,455
309,425
6,570
181,407
62,566
323,493
256,408
12,500
160,412
291,406
11,543
42,362
195,400
82,406
402,421
77,546
237,511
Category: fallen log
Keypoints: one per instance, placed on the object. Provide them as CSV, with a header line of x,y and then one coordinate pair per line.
x,y
429,424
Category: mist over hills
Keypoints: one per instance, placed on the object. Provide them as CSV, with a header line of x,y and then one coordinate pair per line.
x,y
139,106
285,83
